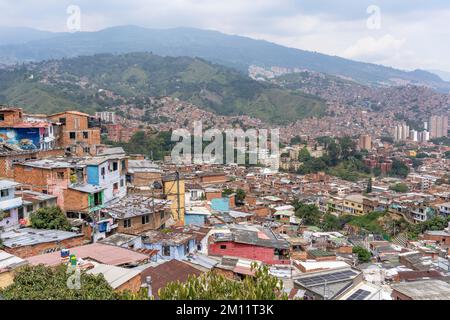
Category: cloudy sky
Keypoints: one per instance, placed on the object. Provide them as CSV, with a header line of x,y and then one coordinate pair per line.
x,y
406,34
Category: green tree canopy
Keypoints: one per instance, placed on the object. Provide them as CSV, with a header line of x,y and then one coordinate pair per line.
x,y
399,187
330,223
369,186
50,283
399,169
214,286
309,213
49,218
240,195
304,155
363,254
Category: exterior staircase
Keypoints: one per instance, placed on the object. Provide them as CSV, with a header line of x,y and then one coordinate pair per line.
x,y
400,239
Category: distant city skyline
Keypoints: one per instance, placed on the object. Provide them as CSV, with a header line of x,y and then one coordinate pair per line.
x,y
402,34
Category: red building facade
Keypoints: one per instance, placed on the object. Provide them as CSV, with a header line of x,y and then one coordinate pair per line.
x,y
267,255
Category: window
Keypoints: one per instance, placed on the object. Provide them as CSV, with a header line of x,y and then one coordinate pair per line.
x,y
162,215
145,219
166,251
60,175
85,135
115,166
73,215
97,198
223,246
5,193
124,165
103,171
2,117
62,121
30,208
115,187
86,149
127,223
72,135
122,182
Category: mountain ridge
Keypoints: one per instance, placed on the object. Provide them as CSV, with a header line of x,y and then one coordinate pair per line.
x,y
234,51
42,86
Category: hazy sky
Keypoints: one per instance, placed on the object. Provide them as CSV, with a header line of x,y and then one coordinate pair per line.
x,y
409,34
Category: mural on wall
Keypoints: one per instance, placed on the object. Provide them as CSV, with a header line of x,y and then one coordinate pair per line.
x,y
24,138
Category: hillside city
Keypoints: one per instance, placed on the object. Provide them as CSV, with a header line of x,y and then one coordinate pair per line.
x,y
211,158
347,214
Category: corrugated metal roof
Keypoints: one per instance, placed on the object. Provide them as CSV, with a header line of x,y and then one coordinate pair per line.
x,y
29,236
8,184
116,276
9,261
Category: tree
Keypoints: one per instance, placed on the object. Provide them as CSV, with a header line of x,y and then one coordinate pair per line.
x,y
369,186
215,286
227,191
309,213
435,224
296,140
304,155
377,171
330,223
240,195
399,187
348,147
49,218
363,254
399,169
50,283
333,153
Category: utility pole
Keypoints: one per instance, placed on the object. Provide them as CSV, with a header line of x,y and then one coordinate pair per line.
x,y
177,174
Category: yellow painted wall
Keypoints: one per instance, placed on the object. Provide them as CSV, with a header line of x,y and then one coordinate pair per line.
x,y
171,191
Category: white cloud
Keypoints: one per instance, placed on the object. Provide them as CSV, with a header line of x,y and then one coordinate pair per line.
x,y
412,35
375,49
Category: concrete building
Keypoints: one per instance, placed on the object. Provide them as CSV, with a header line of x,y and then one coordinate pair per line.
x,y
11,207
109,173
401,132
106,116
173,188
26,133
365,142
421,290
438,126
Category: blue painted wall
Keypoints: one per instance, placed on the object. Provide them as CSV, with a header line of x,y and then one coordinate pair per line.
x,y
92,175
197,219
176,252
220,204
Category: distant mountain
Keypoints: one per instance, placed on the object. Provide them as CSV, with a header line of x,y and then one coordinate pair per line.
x,y
444,75
74,83
229,50
13,35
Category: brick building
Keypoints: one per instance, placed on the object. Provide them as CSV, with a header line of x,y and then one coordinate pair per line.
x,y
79,134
